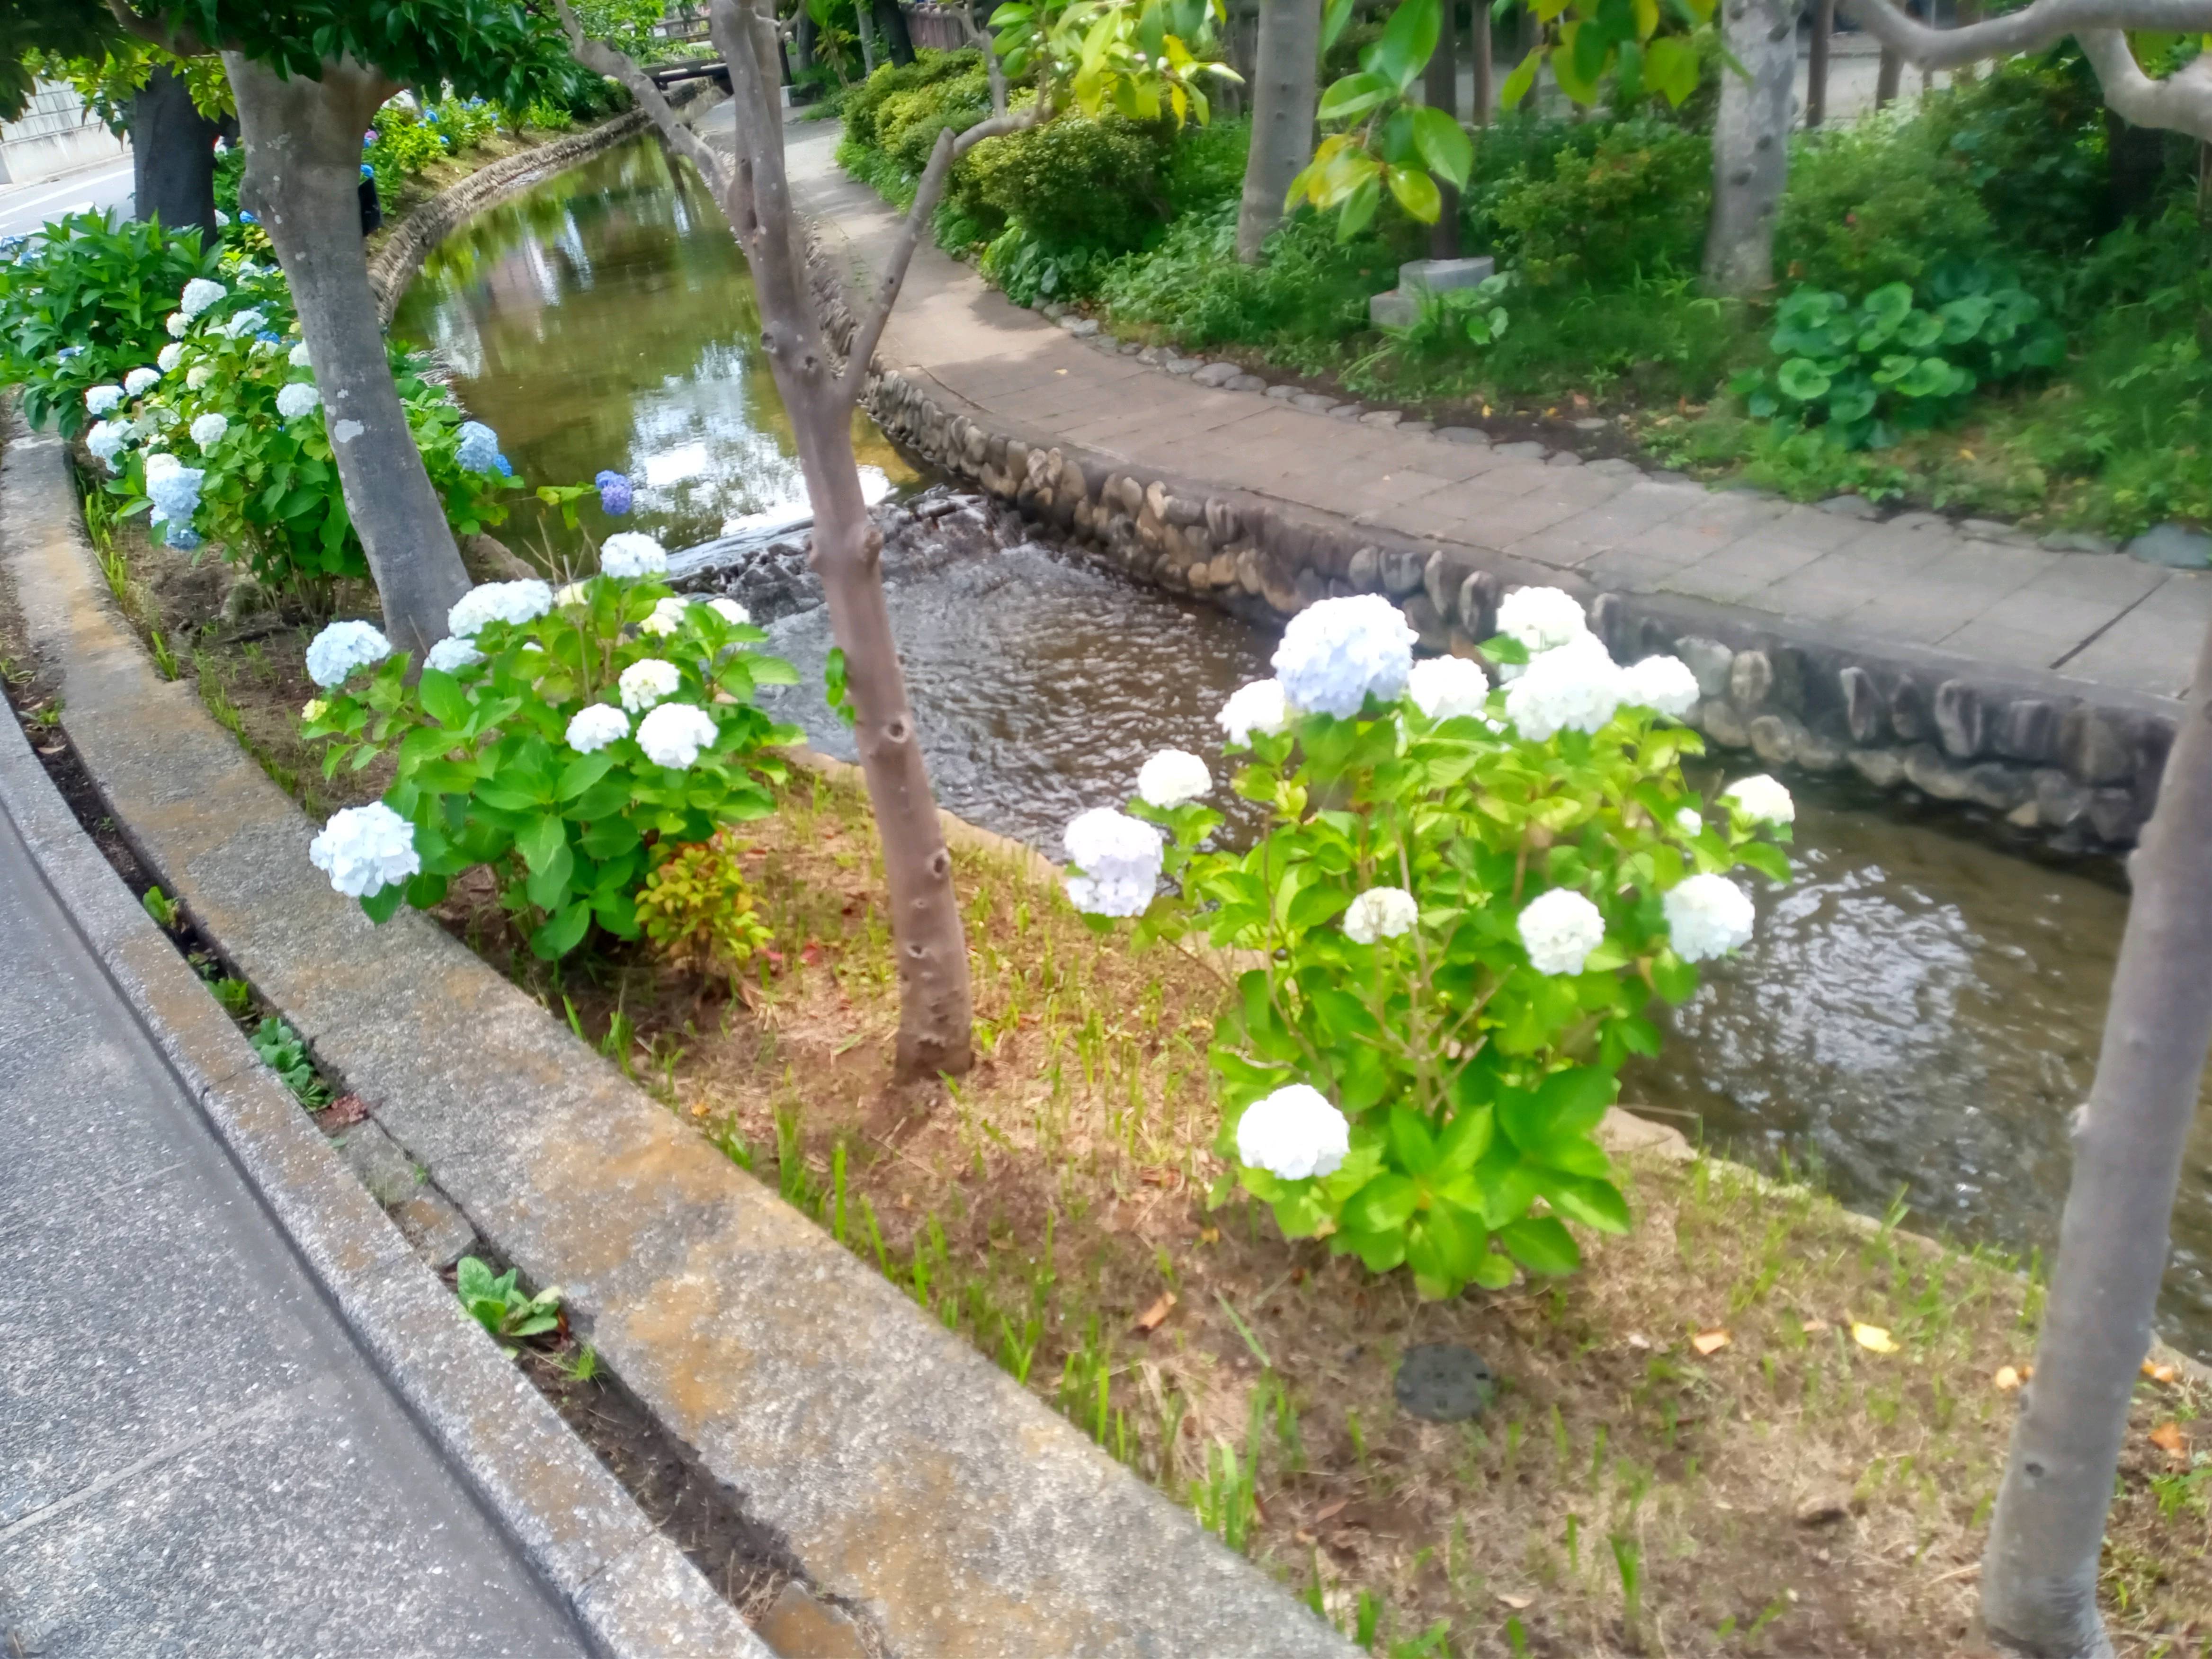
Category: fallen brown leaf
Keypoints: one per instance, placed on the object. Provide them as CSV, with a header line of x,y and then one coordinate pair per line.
x,y
1815,1326
1517,1602
1872,1338
2158,1373
1334,1507
2167,1437
1154,1316
2007,1379
1710,1342
344,1112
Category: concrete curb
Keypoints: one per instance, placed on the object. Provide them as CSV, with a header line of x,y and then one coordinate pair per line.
x,y
911,1479
629,1588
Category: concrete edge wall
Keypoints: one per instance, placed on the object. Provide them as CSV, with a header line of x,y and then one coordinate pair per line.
x,y
2074,764
916,1484
629,1586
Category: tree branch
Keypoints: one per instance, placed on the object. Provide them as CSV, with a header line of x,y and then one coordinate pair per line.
x,y
177,42
2030,29
597,56
2182,103
948,149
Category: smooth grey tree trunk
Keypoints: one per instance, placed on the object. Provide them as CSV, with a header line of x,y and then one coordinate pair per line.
x,y
1888,73
172,156
935,1034
1479,38
1751,143
1283,93
2039,1569
864,24
302,176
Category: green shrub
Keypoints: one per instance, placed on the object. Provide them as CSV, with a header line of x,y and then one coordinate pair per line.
x,y
1205,166
697,909
1608,202
1310,289
1882,201
865,103
84,304
1072,183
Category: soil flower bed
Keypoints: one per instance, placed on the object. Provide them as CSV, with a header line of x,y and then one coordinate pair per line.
x,y
1754,1425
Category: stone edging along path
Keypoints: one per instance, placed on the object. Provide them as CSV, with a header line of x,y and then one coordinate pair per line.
x,y
625,1583
1911,654
912,1481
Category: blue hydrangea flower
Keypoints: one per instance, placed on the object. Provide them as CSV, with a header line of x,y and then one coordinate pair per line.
x,y
367,171
180,536
615,494
271,336
479,451
247,215
1334,655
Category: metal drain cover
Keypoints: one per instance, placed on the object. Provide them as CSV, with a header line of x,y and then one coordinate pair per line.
x,y
1444,1383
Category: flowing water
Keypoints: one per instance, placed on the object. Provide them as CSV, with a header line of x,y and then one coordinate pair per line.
x,y
1918,1014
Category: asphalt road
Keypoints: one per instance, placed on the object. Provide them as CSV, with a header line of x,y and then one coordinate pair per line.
x,y
24,208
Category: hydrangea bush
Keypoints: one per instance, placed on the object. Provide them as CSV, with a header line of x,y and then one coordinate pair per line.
x,y
550,738
220,440
1447,940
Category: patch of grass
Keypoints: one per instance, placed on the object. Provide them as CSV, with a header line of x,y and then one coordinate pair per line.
x,y
1624,1492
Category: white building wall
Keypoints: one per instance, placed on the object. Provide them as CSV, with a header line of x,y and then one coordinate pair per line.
x,y
57,134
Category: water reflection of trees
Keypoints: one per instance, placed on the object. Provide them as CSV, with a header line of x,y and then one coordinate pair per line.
x,y
606,318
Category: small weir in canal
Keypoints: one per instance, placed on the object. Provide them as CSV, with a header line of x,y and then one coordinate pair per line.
x,y
1920,1010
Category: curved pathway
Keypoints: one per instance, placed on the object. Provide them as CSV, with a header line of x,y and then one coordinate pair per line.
x,y
1915,580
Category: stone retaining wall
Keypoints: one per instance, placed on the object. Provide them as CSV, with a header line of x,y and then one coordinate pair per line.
x,y
2075,764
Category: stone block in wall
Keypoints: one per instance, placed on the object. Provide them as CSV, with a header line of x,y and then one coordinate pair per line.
x,y
1428,623
1365,574
1908,711
1477,610
1717,719
1863,711
1926,771
1786,663
1403,568
1312,587
1708,660
1440,579
1248,571
1222,522
1882,767
1750,676
2116,815
1185,513
1960,723
1774,737
2027,731
2060,802
2094,746
1818,752
1998,787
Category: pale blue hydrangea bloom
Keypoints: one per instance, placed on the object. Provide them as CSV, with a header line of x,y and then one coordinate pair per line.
x,y
1336,654
341,648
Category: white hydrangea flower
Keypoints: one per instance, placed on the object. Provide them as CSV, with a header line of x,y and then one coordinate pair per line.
x,y
631,553
140,382
1573,687
199,293
572,594
169,356
198,376
343,646
1172,777
299,358
296,398
207,429
1293,1133
243,323
1560,929
1336,654
1707,916
1259,706
667,617
489,602
1445,688
176,322
646,682
1762,799
102,399
1665,684
1689,822
1542,618
595,725
731,611
365,850
106,439
673,733
451,654
261,347
1381,913
1120,859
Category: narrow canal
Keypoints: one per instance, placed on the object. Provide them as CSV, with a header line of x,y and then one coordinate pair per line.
x,y
1918,1014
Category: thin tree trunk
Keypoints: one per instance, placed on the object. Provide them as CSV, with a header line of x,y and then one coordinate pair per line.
x,y
802,41
864,25
1816,69
1285,91
1751,143
172,156
935,1035
2039,1571
1888,76
1485,66
1440,90
898,40
303,176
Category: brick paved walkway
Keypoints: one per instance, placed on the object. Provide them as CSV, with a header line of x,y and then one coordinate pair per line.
x,y
2098,617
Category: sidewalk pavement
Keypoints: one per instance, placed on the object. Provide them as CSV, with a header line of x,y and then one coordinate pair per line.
x,y
2100,618
195,1457
24,208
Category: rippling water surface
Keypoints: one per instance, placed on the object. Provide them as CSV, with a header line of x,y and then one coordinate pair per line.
x,y
1918,1012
